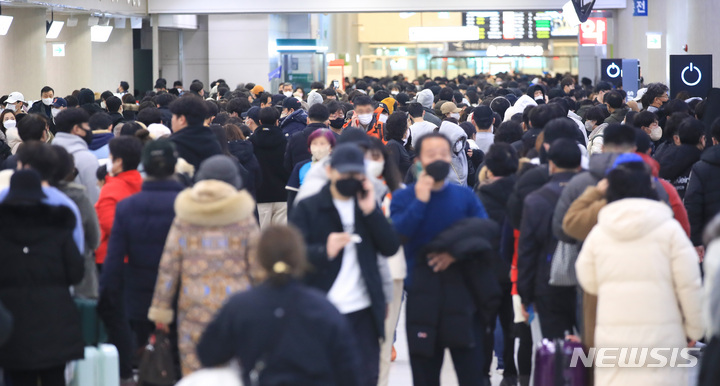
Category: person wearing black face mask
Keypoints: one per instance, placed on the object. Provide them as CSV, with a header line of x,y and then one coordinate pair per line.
x,y
337,118
426,215
345,231
74,134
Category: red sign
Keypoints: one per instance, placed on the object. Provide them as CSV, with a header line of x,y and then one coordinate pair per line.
x,y
593,32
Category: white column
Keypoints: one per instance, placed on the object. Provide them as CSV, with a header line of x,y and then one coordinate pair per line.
x,y
195,55
155,47
112,61
238,48
22,65
74,70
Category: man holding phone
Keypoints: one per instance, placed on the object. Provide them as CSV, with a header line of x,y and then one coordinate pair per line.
x,y
345,231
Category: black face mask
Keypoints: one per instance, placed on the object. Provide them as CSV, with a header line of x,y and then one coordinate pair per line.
x,y
349,187
438,170
88,137
337,123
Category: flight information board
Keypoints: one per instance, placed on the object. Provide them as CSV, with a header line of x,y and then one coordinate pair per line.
x,y
519,25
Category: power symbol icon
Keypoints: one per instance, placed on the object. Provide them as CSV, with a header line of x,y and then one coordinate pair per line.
x,y
613,70
691,68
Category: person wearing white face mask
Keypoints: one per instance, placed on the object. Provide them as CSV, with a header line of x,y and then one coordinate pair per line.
x,y
648,122
44,105
320,144
58,105
287,90
450,111
595,125
16,103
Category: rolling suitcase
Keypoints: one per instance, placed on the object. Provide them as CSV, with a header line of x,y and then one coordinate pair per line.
x,y
552,364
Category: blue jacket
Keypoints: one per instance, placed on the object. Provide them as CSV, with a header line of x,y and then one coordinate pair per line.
x,y
142,222
294,123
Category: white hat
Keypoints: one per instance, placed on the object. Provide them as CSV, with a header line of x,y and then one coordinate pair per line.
x,y
15,97
158,130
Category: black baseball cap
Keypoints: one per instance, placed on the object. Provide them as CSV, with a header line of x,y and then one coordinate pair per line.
x,y
348,158
292,103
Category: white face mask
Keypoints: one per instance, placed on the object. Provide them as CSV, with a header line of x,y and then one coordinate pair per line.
x,y
54,112
103,105
455,116
374,168
589,125
365,118
319,152
459,146
383,118
656,133
283,115
394,92
288,94
9,124
539,98
47,101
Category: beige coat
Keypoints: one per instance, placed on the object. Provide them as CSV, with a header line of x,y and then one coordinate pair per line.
x,y
643,268
209,255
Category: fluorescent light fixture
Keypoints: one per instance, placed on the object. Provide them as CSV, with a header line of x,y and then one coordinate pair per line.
x,y
72,21
58,49
654,40
406,15
100,33
136,22
569,14
443,15
5,22
302,48
93,21
120,22
443,34
54,29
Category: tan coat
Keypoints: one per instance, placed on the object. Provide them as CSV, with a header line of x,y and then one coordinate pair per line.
x,y
209,255
643,268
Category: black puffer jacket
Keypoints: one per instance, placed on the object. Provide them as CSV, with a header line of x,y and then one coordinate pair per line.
x,y
676,163
243,151
441,306
528,182
702,199
269,145
494,198
40,261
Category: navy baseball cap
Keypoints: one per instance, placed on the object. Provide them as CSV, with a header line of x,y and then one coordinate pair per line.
x,y
252,113
348,158
59,102
292,103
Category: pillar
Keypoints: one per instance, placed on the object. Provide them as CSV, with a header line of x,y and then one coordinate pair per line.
x,y
112,61
24,59
238,48
155,47
74,70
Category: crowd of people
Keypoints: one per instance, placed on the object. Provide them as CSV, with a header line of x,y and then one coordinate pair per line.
x,y
282,231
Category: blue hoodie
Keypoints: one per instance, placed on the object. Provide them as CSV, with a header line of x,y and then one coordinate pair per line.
x,y
294,123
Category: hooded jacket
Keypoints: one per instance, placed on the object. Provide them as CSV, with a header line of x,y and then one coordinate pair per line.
x,y
269,144
702,198
294,123
116,189
519,107
637,306
243,151
459,165
40,261
209,255
142,223
99,145
86,100
426,99
85,162
195,144
676,163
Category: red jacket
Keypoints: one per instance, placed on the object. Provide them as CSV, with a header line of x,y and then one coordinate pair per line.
x,y
116,189
675,201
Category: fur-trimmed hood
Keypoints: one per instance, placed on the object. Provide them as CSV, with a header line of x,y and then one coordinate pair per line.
x,y
213,203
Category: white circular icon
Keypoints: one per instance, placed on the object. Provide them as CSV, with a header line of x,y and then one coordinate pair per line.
x,y
616,70
691,68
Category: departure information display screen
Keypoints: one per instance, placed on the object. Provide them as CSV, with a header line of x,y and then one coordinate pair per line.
x,y
519,25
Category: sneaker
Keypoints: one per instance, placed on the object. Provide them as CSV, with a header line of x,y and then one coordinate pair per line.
x,y
393,356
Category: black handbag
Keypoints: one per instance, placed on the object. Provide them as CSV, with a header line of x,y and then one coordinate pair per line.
x,y
156,365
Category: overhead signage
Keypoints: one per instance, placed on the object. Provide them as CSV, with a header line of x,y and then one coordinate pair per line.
x,y
519,25
593,32
691,73
611,71
500,48
640,8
